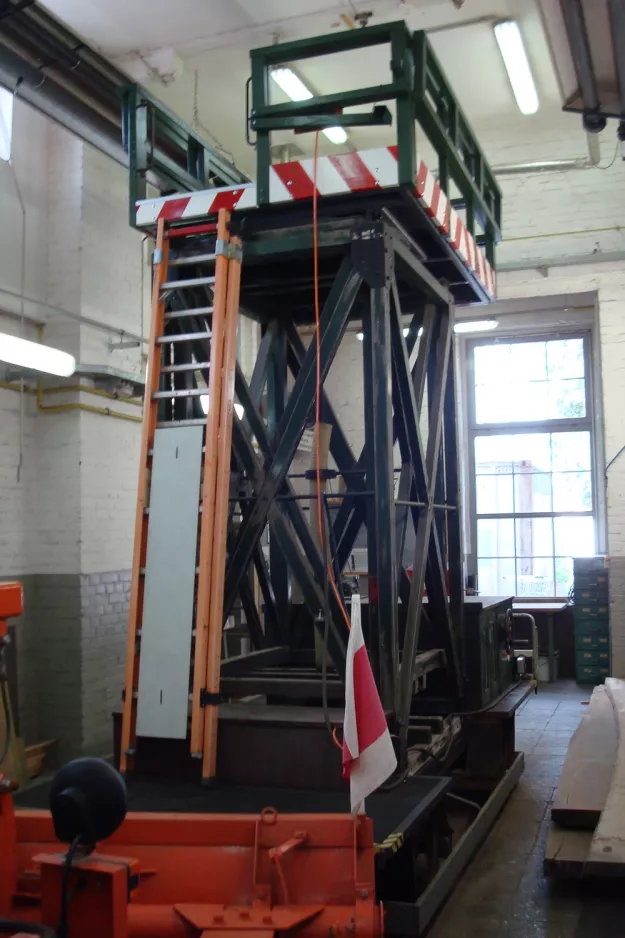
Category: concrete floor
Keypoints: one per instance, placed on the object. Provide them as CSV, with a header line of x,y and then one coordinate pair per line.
x,y
504,892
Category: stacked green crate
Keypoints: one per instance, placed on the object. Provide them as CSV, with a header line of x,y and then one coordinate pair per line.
x,y
592,619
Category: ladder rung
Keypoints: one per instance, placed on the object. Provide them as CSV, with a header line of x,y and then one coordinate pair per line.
x,y
186,284
142,571
192,259
192,366
182,337
187,313
198,422
183,392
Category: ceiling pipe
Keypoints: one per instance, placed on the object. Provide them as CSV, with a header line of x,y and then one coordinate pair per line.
x,y
555,166
55,102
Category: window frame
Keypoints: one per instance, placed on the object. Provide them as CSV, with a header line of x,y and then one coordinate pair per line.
x,y
588,423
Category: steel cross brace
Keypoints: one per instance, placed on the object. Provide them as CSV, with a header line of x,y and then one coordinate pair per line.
x,y
428,565
283,532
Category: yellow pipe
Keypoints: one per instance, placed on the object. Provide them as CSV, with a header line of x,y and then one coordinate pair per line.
x,y
108,394
562,234
63,408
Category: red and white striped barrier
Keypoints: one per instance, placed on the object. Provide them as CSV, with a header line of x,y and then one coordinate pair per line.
x,y
350,172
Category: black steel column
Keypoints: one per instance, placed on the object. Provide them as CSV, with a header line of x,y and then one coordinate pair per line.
x,y
455,542
276,402
373,256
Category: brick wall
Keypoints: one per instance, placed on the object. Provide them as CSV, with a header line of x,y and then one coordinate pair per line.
x,y
104,604
67,522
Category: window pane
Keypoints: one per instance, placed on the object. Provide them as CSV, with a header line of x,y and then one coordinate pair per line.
x,y
567,398
531,452
570,450
528,362
564,575
495,538
492,363
575,537
532,492
565,358
572,491
493,455
534,538
495,577
535,576
528,381
494,495
509,402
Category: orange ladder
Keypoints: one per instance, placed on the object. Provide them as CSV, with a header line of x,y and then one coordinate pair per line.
x,y
216,325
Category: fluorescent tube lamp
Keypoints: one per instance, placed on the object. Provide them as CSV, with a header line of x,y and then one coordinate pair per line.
x,y
295,89
476,325
360,335
515,59
204,402
33,355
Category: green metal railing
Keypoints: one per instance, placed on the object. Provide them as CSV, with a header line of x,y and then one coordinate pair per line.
x,y
166,152
422,96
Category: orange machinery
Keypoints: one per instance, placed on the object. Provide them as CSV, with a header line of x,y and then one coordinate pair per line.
x,y
183,876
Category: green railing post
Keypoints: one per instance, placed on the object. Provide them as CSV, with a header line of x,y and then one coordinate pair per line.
x,y
260,100
402,69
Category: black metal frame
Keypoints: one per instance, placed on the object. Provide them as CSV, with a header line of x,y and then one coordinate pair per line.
x,y
375,277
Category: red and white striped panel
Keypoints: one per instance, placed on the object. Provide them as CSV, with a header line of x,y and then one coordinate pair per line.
x,y
348,172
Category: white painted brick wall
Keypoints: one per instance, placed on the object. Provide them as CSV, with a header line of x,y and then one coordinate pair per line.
x,y
555,204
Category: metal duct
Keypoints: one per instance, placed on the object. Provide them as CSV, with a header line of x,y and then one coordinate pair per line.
x,y
54,71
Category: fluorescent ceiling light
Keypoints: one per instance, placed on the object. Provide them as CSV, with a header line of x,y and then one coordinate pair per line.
x,y
37,357
204,401
406,332
295,89
515,59
476,325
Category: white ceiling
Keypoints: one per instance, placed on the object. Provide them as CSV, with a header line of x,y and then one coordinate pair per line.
x,y
214,37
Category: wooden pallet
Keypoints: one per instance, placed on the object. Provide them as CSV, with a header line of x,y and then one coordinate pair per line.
x,y
588,836
587,770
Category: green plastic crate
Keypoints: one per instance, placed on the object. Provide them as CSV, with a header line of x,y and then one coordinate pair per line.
x,y
594,657
595,595
592,641
591,612
596,578
591,674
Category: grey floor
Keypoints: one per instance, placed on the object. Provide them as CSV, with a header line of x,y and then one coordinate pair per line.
x,y
504,892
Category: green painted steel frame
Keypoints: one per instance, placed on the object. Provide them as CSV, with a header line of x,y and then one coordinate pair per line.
x,y
374,272
165,151
422,95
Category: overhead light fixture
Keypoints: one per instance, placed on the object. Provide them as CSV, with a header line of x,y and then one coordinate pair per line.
x,y
476,325
406,332
36,357
295,89
204,401
512,48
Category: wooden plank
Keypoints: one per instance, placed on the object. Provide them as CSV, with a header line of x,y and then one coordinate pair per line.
x,y
567,852
607,850
587,771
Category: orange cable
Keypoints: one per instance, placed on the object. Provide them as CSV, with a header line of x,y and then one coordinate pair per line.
x,y
329,571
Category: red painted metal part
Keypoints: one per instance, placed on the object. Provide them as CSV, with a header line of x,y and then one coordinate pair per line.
x,y
11,604
186,876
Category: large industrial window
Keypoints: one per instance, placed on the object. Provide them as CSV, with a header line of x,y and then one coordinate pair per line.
x,y
531,445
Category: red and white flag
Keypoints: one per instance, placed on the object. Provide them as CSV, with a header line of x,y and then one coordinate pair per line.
x,y
368,754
